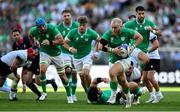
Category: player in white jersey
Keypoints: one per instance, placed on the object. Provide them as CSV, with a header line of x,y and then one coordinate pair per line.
x,y
150,69
15,59
133,76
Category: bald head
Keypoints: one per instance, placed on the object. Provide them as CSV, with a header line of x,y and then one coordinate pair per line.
x,y
116,25
117,21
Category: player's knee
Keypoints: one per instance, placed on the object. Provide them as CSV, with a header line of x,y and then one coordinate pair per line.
x,y
43,69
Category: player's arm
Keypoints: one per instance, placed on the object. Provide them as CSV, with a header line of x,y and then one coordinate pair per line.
x,y
15,64
32,40
138,38
154,29
154,44
157,31
97,42
66,45
58,40
98,80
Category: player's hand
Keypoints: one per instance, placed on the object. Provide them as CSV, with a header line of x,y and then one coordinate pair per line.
x,y
24,88
117,51
72,50
45,42
130,49
149,28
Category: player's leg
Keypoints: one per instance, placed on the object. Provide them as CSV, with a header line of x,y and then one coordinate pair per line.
x,y
15,80
45,61
136,90
5,87
155,66
149,86
28,79
140,57
59,64
74,84
117,73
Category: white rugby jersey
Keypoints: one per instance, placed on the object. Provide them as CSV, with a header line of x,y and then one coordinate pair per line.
x,y
154,54
136,74
9,57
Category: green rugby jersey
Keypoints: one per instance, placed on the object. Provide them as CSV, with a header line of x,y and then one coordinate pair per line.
x,y
123,37
141,28
50,34
82,42
64,30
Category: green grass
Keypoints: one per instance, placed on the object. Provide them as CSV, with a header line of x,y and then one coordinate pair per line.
x,y
56,101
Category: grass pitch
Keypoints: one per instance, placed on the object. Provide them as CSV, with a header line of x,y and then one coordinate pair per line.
x,y
56,101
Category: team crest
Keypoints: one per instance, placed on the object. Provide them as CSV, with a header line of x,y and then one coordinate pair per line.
x,y
136,28
77,39
47,36
111,39
123,38
86,39
64,32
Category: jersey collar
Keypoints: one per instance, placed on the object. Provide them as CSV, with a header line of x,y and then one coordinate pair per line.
x,y
140,23
67,26
83,33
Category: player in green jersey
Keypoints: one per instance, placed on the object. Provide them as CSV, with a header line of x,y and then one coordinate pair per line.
x,y
98,96
64,28
144,26
49,39
81,39
110,43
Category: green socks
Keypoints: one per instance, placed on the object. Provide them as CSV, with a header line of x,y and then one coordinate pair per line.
x,y
43,83
113,85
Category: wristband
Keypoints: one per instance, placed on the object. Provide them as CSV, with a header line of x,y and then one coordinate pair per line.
x,y
110,49
134,46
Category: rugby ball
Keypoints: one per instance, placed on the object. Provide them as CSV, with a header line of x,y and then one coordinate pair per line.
x,y
125,49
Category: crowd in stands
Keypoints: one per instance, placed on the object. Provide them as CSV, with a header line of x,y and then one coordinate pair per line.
x,y
165,13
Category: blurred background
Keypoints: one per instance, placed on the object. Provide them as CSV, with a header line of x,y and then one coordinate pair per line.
x,y
165,13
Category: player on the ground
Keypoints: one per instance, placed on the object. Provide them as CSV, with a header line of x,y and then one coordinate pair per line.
x,y
81,39
110,43
98,96
49,39
64,28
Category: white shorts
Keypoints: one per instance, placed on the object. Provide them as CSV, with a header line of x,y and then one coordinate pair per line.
x,y
68,59
55,60
83,63
124,62
134,56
